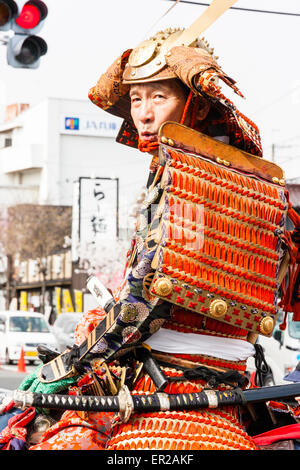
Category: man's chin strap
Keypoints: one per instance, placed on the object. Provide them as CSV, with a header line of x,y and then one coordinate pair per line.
x,y
145,146
148,147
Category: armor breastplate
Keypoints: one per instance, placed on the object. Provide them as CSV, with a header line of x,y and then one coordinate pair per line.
x,y
218,227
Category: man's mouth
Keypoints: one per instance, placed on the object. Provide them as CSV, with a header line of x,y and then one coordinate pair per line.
x,y
148,136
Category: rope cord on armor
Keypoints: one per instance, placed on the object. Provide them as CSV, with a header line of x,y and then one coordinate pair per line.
x,y
216,378
212,377
262,367
186,107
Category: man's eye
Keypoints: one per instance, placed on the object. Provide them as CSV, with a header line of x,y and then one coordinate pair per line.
x,y
135,99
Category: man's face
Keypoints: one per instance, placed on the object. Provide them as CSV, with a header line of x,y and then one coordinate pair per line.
x,y
154,103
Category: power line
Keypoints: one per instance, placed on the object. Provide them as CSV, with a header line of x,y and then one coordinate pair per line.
x,y
243,9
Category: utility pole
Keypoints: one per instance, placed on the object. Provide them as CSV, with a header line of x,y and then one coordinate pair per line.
x,y
273,153
8,281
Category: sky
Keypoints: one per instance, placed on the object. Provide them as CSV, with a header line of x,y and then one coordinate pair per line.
x,y
258,50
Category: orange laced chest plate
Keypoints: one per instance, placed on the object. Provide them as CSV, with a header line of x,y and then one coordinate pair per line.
x,y
218,231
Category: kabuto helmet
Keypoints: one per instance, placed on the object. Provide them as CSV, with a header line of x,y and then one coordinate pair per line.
x,y
178,54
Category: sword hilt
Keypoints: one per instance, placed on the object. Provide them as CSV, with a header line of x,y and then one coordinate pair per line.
x,y
152,368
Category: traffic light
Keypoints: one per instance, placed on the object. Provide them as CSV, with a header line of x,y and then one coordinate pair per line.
x,y
25,19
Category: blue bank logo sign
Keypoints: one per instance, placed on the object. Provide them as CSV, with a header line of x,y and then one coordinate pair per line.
x,y
72,123
83,124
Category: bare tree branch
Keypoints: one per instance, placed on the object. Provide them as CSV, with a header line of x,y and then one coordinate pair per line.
x,y
35,231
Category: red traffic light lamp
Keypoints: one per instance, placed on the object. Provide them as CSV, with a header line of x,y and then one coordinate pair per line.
x,y
31,17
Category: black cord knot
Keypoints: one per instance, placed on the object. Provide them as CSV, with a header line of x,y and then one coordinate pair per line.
x,y
262,367
214,377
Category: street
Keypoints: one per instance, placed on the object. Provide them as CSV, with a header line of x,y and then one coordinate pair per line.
x,y
10,377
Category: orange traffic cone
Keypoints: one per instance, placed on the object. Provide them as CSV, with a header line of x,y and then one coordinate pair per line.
x,y
21,362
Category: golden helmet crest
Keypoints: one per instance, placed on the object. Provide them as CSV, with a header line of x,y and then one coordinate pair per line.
x,y
147,62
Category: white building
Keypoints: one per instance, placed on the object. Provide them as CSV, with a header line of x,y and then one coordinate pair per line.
x,y
46,148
